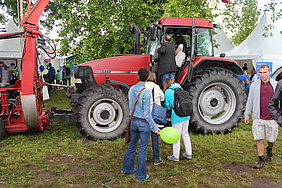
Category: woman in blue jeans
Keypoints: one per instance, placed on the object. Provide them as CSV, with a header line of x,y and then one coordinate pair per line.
x,y
141,125
158,97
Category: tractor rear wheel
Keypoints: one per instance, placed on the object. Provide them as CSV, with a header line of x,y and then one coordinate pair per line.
x,y
219,99
102,112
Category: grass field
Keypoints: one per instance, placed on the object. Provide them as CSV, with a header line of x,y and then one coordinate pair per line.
x,y
62,157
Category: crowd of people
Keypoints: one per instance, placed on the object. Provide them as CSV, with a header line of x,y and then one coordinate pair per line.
x,y
8,74
264,98
53,76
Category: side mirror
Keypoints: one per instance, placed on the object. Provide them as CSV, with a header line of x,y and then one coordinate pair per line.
x,y
222,55
153,33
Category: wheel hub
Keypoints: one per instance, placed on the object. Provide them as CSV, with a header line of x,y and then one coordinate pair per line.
x,y
104,113
212,102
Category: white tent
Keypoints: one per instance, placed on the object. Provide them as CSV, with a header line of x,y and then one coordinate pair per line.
x,y
11,48
264,44
223,44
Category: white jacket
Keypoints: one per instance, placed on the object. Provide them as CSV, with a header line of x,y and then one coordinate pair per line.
x,y
158,93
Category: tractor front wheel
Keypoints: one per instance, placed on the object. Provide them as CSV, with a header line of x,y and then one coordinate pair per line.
x,y
218,101
102,112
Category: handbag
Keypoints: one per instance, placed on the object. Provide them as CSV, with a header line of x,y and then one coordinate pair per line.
x,y
158,112
127,134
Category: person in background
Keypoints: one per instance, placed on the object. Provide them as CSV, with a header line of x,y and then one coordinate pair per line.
x,y
6,76
264,126
58,77
252,74
52,73
2,65
141,125
180,51
66,75
158,97
14,74
245,67
245,79
179,123
167,64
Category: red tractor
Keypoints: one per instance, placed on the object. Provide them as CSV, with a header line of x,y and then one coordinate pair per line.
x,y
100,106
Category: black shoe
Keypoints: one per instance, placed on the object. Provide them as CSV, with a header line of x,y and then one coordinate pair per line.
x,y
269,156
158,162
259,164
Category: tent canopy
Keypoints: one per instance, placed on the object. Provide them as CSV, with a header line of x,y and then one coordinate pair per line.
x,y
223,44
11,48
264,44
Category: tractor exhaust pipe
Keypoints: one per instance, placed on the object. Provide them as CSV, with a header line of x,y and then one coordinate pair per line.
x,y
137,46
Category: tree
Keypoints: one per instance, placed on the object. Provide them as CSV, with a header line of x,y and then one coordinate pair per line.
x,y
240,17
99,29
191,8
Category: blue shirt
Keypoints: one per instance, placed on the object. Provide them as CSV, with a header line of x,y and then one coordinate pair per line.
x,y
169,104
242,78
142,109
52,72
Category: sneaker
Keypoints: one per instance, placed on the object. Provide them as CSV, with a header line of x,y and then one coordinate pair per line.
x,y
259,164
128,173
172,158
147,177
269,156
157,162
187,156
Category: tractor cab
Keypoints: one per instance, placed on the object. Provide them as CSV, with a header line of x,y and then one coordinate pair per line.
x,y
196,32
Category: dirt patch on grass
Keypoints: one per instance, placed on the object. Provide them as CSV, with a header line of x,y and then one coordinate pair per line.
x,y
74,171
214,180
62,160
236,168
70,159
44,176
201,169
262,183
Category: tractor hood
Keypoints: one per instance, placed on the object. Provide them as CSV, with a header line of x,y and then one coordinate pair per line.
x,y
120,63
123,68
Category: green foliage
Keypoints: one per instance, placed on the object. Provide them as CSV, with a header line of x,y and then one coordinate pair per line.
x,y
240,18
190,8
99,29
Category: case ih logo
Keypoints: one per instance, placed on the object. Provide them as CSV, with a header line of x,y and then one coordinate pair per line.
x,y
115,72
103,71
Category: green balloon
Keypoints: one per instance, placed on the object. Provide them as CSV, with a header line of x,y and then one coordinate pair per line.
x,y
169,135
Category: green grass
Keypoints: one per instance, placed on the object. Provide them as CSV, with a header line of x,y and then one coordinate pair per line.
x,y
62,157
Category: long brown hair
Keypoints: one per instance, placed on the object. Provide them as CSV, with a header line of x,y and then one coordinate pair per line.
x,y
167,83
152,77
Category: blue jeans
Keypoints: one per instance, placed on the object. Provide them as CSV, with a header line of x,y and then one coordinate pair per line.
x,y
139,128
155,146
167,75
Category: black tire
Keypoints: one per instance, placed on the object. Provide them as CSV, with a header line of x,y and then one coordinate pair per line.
x,y
102,112
2,130
218,101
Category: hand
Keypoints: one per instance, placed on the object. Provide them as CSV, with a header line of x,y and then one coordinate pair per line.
x,y
246,121
157,131
159,46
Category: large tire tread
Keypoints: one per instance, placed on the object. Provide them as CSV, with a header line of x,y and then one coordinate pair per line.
x,y
92,94
197,83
